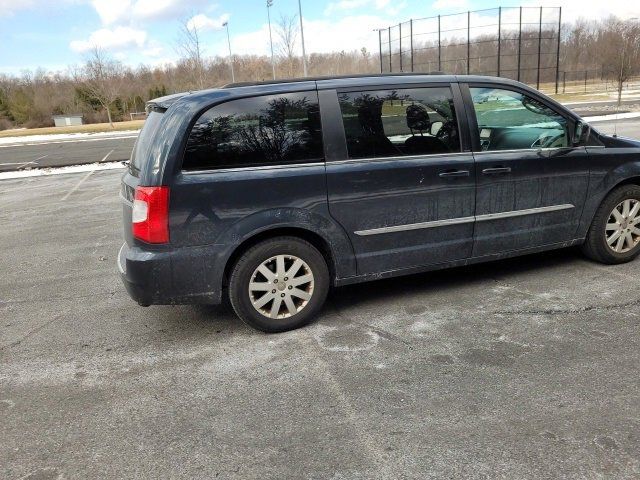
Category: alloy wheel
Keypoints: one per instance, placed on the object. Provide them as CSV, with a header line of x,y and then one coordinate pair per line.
x,y
281,286
623,227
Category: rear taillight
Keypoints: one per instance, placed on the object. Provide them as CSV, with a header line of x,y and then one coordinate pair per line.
x,y
150,215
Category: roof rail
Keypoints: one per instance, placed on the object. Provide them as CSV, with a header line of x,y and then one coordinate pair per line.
x,y
327,77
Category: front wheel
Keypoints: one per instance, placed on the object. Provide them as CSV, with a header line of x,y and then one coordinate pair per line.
x,y
279,284
614,235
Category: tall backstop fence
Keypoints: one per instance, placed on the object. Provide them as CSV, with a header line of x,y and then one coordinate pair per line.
x,y
522,43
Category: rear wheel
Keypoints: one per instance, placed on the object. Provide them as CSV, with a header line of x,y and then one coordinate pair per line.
x,y
614,236
279,284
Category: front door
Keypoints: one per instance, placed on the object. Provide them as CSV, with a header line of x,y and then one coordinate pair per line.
x,y
398,179
531,182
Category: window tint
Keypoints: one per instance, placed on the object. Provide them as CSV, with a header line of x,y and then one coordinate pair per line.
x,y
387,123
257,131
511,121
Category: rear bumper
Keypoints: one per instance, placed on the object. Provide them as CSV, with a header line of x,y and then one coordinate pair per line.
x,y
180,276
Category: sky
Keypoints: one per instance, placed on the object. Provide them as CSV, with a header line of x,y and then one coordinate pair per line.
x,y
56,34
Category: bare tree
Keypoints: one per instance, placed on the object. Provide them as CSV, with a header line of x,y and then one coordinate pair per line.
x,y
190,48
102,78
287,33
621,51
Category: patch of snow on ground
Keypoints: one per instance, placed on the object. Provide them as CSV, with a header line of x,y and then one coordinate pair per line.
x,y
39,172
61,137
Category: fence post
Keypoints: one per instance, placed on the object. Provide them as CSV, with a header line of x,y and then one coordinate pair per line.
x,y
558,50
411,40
468,42
380,47
519,43
499,36
539,49
585,81
390,52
439,47
400,43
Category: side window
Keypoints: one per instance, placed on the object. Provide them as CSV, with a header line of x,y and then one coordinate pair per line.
x,y
256,131
509,120
388,123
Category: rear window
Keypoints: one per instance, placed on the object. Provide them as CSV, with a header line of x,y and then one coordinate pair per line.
x,y
142,148
257,131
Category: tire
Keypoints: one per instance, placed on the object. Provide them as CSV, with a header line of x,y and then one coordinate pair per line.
x,y
596,245
265,266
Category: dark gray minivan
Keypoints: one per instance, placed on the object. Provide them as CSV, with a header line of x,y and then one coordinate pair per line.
x,y
274,192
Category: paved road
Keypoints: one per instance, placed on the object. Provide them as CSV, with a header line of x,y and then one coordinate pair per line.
x,y
65,152
522,369
601,103
625,128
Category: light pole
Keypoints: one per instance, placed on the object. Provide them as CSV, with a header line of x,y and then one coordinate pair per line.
x,y
379,30
233,77
273,62
304,54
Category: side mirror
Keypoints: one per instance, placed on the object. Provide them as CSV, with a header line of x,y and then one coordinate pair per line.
x,y
581,134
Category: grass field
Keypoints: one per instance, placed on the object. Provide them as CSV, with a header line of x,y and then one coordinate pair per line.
x,y
91,128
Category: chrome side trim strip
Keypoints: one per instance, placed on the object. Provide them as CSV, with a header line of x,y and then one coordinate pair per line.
x,y
416,226
249,169
462,220
428,156
520,213
523,150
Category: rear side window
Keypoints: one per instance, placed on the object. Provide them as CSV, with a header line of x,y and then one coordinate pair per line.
x,y
258,131
141,151
389,123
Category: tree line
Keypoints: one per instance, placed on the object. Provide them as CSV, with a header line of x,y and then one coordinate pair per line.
x,y
105,90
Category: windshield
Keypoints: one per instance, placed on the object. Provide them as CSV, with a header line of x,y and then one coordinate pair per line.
x,y
142,148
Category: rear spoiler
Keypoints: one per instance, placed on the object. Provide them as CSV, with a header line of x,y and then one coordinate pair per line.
x,y
161,104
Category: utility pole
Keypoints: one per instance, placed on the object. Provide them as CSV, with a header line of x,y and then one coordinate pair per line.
x,y
233,77
379,30
304,53
273,62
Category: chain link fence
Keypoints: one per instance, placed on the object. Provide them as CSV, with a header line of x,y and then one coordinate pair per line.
x,y
522,43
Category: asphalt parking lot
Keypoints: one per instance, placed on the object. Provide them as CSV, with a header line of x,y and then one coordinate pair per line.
x,y
527,368
64,152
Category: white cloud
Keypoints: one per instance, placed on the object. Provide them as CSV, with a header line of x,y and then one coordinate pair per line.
x,y
450,5
205,23
153,52
114,11
346,5
119,38
591,9
321,36
110,11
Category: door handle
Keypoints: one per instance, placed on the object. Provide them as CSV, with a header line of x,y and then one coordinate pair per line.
x,y
496,170
454,173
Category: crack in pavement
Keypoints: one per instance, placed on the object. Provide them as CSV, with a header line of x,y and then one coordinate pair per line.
x,y
552,311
